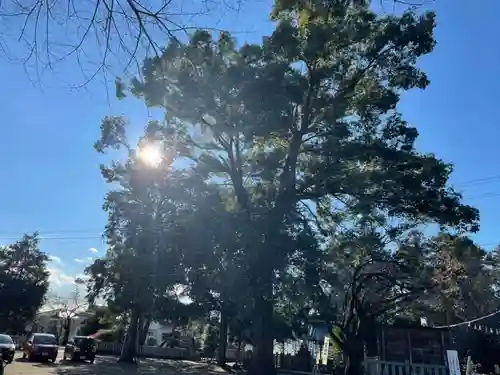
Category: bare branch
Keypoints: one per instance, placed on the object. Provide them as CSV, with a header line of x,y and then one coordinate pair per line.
x,y
99,35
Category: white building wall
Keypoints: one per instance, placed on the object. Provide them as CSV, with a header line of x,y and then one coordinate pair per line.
x,y
158,332
46,322
75,325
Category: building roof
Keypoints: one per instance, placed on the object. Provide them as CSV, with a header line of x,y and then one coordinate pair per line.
x,y
83,312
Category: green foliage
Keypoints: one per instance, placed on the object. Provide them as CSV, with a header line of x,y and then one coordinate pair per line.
x,y
210,340
101,319
24,281
142,269
463,279
306,122
362,282
293,155
446,278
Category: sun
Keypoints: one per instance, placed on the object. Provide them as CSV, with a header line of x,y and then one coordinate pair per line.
x,y
150,154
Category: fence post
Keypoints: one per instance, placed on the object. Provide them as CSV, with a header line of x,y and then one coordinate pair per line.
x,y
468,368
408,368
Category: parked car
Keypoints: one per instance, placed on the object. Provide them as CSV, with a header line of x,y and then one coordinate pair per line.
x,y
18,343
81,348
41,346
7,348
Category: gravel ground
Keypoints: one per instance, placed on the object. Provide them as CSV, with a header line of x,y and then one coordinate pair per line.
x,y
106,365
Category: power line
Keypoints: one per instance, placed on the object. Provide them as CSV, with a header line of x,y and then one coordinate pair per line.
x,y
480,181
60,234
55,238
485,195
54,234
59,231
470,321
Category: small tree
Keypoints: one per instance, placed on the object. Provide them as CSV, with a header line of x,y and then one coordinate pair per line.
x,y
24,281
463,278
69,308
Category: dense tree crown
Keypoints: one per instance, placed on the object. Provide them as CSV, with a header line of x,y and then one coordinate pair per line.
x,y
287,169
24,281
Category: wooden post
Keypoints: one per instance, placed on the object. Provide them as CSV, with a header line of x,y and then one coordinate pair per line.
x,y
408,335
383,345
443,348
468,368
379,349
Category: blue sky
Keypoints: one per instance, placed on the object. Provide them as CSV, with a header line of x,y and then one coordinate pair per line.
x,y
50,177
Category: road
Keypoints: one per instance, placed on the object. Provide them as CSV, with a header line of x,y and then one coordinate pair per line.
x,y
107,365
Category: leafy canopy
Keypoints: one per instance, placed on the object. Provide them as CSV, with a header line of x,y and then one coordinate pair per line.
x,y
308,115
24,281
301,134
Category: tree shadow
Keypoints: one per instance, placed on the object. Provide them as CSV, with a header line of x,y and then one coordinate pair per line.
x,y
35,362
45,364
110,366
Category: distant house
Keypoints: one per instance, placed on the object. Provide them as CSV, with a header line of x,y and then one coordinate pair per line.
x,y
52,321
167,334
158,333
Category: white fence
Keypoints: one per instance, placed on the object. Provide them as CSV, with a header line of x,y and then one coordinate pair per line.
x,y
376,367
147,351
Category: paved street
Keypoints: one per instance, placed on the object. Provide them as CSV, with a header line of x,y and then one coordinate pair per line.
x,y
106,365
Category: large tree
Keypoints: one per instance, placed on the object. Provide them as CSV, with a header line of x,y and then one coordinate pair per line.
x,y
148,206
365,281
216,273
24,281
216,264
302,126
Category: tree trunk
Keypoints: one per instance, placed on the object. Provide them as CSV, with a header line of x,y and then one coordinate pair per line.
x,y
222,347
59,331
238,352
67,326
354,366
354,357
262,357
129,346
144,324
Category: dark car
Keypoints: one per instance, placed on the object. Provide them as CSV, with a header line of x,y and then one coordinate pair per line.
x,y
41,346
81,348
7,348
